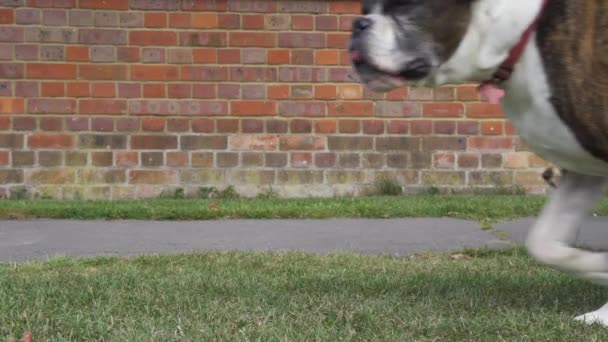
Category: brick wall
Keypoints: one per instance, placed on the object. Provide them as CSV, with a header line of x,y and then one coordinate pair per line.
x,y
123,99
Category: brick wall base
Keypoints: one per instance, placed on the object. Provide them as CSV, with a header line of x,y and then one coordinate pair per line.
x,y
130,99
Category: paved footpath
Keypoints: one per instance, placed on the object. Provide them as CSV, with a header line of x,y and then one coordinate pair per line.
x,y
40,239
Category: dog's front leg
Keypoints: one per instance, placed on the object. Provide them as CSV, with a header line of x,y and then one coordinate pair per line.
x,y
551,240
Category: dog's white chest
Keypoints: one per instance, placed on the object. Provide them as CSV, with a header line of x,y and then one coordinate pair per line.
x,y
528,107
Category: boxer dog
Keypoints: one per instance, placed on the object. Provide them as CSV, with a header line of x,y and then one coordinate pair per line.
x,y
549,57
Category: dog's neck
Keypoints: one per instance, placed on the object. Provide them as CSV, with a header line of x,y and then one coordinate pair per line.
x,y
496,27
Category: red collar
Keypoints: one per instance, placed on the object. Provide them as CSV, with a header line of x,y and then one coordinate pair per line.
x,y
505,70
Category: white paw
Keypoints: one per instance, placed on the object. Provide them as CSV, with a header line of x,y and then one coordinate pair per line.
x,y
593,318
596,317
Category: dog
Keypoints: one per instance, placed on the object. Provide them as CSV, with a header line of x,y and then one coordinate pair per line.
x,y
548,57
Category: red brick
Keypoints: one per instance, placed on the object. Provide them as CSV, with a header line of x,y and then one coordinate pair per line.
x,y
338,40
445,127
228,125
302,143
180,20
155,20
126,159
484,110
152,177
302,40
490,143
127,125
469,161
244,108
5,123
398,127
204,91
326,92
78,89
492,128
52,89
154,90
302,22
278,92
177,159
350,92
153,38
153,142
276,57
301,126
24,123
129,90
254,142
253,126
116,107
253,39
4,156
209,39
301,160
344,7
350,126
51,106
421,127
206,56
179,91
326,126
205,20
467,93
48,141
229,21
7,16
327,57
51,124
178,125
197,5
373,127
443,110
77,124
102,124
253,22
444,160
154,73
326,23
359,109
103,90
206,73
110,72
51,71
105,4
153,124
203,125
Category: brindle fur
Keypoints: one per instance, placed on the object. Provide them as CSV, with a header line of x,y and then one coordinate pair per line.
x,y
573,39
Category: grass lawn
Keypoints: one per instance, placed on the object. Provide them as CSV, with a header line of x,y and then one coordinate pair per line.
x,y
480,208
486,296
469,207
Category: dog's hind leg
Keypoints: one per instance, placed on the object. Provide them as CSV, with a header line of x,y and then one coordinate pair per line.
x,y
552,239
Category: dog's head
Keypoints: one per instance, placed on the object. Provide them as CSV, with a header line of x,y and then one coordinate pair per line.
x,y
402,42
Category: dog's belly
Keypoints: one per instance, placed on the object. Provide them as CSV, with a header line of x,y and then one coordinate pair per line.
x,y
550,138
528,107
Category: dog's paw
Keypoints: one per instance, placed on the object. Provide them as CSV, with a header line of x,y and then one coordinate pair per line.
x,y
596,317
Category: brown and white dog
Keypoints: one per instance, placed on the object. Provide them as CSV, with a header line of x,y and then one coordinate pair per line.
x,y
551,59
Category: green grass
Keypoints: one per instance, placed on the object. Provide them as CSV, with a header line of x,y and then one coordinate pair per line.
x,y
469,207
488,296
481,208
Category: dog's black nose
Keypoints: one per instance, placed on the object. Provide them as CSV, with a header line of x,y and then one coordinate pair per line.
x,y
362,24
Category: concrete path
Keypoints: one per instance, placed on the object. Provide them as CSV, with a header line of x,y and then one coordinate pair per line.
x,y
40,239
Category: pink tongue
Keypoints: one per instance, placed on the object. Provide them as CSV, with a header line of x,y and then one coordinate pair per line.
x,y
491,93
355,56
